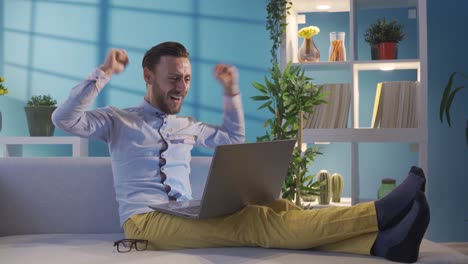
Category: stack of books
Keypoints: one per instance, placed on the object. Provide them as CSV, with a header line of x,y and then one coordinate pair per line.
x,y
335,113
396,105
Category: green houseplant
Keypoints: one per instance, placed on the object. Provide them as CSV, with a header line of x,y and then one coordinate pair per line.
x,y
383,37
277,10
39,111
287,95
447,99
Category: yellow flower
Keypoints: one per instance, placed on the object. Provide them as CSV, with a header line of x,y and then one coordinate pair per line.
x,y
3,90
308,32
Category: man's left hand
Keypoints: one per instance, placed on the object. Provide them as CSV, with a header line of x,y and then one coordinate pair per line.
x,y
228,76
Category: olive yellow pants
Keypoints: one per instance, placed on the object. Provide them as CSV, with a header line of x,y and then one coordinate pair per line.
x,y
278,225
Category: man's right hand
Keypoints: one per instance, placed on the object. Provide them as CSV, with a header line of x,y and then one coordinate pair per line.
x,y
115,62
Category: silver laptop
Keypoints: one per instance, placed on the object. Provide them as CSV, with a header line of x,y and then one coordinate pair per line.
x,y
240,174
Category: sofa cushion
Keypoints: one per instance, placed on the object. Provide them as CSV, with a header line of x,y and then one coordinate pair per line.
x,y
66,195
57,195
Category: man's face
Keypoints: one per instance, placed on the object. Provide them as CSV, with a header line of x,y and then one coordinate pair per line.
x,y
168,83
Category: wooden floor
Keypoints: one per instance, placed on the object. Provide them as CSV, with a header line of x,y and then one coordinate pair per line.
x,y
461,246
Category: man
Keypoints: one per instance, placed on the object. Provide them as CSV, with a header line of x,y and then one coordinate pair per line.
x,y
150,148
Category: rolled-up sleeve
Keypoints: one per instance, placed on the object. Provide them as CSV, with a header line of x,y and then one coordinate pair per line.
x,y
232,130
73,116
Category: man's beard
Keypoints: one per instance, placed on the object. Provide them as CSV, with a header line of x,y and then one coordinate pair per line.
x,y
164,101
165,106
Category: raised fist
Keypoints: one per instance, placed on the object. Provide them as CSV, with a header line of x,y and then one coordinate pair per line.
x,y
115,62
228,76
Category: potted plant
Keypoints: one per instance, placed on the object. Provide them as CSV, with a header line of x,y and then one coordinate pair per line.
x,y
277,10
39,111
287,96
383,38
447,99
3,91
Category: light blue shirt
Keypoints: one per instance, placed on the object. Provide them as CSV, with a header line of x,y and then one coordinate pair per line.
x,y
150,150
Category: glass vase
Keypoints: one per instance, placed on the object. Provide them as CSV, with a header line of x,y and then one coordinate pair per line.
x,y
308,52
337,51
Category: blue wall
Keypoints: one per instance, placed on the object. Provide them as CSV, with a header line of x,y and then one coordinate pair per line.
x,y
448,150
49,46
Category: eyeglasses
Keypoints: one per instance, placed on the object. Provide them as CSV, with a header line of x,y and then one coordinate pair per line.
x,y
125,245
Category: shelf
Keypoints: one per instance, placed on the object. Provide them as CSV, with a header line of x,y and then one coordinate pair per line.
x,y
384,65
345,201
324,66
404,135
387,65
13,146
353,17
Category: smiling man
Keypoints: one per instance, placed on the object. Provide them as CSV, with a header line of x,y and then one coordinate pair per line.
x,y
150,146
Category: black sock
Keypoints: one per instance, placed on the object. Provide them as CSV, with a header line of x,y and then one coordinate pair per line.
x,y
395,205
401,243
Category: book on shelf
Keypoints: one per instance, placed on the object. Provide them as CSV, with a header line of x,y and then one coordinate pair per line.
x,y
335,113
396,105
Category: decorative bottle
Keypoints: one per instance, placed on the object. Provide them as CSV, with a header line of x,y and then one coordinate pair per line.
x,y
388,184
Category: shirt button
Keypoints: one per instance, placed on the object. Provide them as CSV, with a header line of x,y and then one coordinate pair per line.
x,y
162,155
162,169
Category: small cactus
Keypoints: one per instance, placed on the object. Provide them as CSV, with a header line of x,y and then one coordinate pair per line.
x,y
324,197
336,187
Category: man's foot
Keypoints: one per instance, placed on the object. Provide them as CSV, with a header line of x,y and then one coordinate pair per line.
x,y
395,205
401,243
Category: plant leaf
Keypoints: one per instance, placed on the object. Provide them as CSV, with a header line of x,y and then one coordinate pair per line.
x,y
260,97
268,103
443,102
260,87
449,103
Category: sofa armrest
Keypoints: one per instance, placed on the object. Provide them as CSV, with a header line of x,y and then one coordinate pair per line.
x,y
57,195
66,195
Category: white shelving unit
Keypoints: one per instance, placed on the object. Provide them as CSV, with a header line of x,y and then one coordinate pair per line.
x,y
355,67
13,146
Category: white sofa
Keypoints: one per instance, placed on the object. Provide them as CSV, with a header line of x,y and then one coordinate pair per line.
x,y
62,210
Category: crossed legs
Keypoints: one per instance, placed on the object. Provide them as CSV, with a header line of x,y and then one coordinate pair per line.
x,y
392,227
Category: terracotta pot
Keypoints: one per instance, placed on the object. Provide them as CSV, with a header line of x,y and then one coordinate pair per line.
x,y
387,51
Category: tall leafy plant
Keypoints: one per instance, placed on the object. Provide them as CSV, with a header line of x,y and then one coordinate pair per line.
x,y
287,95
277,10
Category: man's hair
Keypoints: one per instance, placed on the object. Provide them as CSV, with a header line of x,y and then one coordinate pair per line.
x,y
170,48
